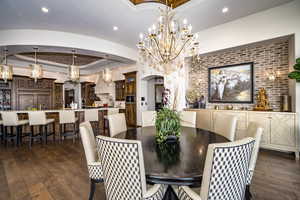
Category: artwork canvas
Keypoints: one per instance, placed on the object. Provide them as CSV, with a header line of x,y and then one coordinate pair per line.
x,y
231,84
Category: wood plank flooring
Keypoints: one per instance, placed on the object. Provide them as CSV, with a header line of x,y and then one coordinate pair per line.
x,y
58,172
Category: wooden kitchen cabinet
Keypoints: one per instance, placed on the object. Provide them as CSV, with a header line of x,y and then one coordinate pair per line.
x,y
120,90
130,97
88,94
28,94
58,96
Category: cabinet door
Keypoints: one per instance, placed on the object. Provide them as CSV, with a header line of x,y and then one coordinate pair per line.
x,y
203,119
43,100
264,121
283,130
25,101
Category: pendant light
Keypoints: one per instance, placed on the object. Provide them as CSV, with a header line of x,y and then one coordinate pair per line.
x,y
74,71
6,70
36,69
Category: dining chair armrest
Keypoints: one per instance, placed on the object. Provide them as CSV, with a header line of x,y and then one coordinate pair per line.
x,y
186,193
155,192
95,171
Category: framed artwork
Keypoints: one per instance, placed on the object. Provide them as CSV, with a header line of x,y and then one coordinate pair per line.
x,y
231,84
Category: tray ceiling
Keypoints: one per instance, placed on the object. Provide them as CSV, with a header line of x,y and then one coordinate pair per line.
x,y
63,58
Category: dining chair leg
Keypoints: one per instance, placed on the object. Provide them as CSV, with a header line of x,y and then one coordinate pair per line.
x,y
248,195
92,190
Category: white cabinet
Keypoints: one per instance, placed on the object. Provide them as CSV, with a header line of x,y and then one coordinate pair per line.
x,y
280,129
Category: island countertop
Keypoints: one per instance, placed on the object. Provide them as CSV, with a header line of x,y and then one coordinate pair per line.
x,y
58,110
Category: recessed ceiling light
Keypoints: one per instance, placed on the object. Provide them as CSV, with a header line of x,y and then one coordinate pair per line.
x,y
45,10
225,10
115,28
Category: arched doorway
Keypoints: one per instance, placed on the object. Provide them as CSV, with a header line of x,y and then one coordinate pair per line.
x,y
155,89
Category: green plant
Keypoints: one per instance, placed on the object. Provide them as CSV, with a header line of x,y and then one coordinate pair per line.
x,y
167,123
296,74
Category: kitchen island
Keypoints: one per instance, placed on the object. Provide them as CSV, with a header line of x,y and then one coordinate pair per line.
x,y
98,127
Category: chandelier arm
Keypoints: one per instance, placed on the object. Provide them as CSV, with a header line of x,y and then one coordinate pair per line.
x,y
172,44
149,53
159,50
183,46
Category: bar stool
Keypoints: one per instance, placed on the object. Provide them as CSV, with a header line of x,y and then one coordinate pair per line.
x,y
38,119
67,117
10,119
1,132
92,115
110,111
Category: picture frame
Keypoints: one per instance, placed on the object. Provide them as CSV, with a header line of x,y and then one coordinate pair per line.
x,y
231,84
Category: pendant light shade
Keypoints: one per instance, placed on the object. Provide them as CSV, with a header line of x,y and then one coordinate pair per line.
x,y
36,69
74,71
6,70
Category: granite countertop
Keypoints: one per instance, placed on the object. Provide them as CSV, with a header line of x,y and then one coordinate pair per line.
x,y
57,110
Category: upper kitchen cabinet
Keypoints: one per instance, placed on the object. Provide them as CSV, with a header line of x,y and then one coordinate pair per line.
x,y
88,93
120,90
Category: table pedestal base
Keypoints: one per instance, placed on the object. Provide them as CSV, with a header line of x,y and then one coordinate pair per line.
x,y
170,194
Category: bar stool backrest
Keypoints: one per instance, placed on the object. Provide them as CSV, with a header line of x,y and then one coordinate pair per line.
x,y
112,111
9,118
67,117
37,118
91,115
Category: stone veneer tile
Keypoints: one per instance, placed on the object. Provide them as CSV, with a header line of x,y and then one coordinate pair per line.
x,y
272,55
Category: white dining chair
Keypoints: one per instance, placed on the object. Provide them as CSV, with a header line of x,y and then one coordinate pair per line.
x,y
188,118
92,115
90,150
117,124
148,118
123,168
255,131
225,172
225,125
39,119
110,111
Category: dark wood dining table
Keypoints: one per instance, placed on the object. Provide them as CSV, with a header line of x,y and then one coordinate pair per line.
x,y
180,163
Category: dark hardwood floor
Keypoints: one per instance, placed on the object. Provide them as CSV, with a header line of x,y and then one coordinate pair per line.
x,y
58,172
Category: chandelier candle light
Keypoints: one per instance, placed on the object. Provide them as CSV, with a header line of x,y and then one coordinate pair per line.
x,y
167,43
74,71
6,70
36,69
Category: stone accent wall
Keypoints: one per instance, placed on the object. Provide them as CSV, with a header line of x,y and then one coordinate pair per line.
x,y
267,56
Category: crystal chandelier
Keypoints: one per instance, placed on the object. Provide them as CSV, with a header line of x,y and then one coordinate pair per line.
x,y
107,75
74,71
167,43
6,70
36,69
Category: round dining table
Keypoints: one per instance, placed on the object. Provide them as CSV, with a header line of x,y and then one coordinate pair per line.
x,y
180,163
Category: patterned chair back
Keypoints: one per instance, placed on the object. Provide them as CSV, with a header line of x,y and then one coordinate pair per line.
x,y
188,118
148,118
226,170
225,125
255,131
123,168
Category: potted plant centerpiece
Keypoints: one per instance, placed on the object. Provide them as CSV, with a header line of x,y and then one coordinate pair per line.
x,y
167,125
